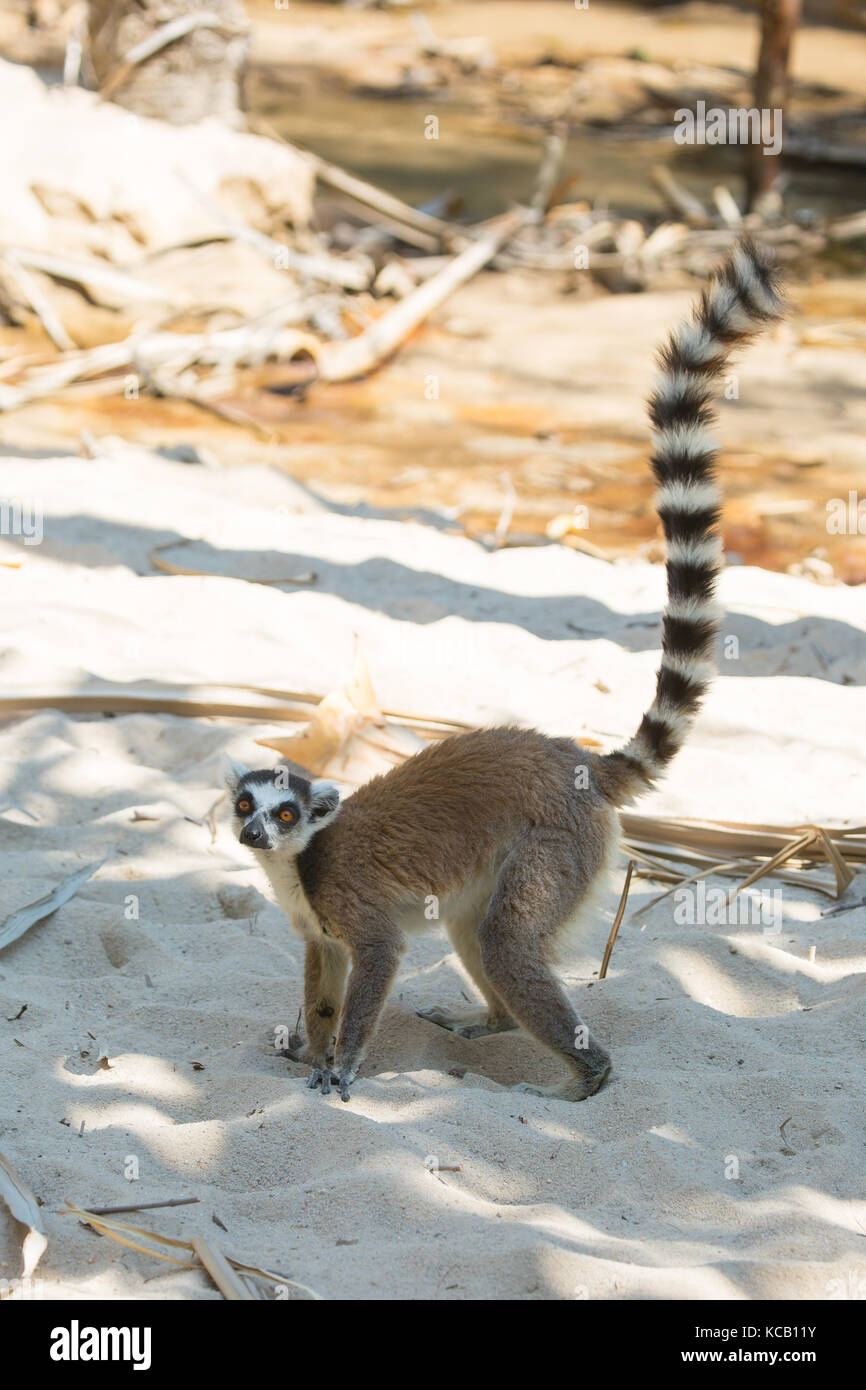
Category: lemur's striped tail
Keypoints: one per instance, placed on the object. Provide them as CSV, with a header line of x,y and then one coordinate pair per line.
x,y
742,298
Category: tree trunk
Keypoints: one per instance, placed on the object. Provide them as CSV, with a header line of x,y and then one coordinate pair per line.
x,y
195,75
779,20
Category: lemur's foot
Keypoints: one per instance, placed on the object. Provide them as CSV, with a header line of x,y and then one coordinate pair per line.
x,y
574,1088
342,1078
345,1077
468,1023
295,1049
323,1077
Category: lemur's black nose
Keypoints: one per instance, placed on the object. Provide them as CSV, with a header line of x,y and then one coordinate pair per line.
x,y
252,835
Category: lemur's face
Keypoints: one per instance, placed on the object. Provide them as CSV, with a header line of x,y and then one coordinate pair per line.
x,y
275,810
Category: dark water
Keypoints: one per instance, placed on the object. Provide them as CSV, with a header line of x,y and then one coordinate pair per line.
x,y
490,163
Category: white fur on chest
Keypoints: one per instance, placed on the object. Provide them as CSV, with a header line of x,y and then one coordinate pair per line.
x,y
282,873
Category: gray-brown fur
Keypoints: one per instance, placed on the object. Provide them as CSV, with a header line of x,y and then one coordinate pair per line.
x,y
508,831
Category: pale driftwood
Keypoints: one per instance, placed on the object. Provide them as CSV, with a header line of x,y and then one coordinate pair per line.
x,y
666,238
406,220
28,288
727,206
74,52
473,51
551,160
355,274
168,34
846,228
145,353
91,273
343,361
684,203
368,195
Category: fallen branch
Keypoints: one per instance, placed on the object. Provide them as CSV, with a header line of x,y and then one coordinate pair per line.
x,y
28,288
551,159
144,1206
250,344
347,274
684,203
429,231
91,273
344,361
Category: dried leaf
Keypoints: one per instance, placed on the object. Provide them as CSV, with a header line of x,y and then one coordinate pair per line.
x,y
348,736
122,1230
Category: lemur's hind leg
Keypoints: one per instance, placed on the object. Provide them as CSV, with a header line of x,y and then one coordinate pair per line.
x,y
540,887
462,929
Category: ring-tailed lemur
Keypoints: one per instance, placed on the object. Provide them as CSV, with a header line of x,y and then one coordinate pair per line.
x,y
495,826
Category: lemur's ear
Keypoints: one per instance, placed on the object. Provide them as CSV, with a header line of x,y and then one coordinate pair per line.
x,y
324,801
233,773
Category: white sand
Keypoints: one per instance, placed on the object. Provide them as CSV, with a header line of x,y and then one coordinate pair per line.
x,y
719,1034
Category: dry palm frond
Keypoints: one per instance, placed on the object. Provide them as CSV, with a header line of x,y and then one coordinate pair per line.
x,y
348,736
205,1254
24,1208
731,848
255,702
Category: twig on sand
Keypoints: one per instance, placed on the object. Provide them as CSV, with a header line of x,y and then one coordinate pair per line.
x,y
144,1206
620,912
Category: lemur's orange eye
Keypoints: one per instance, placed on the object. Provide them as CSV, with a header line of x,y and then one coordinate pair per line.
x,y
244,805
287,816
